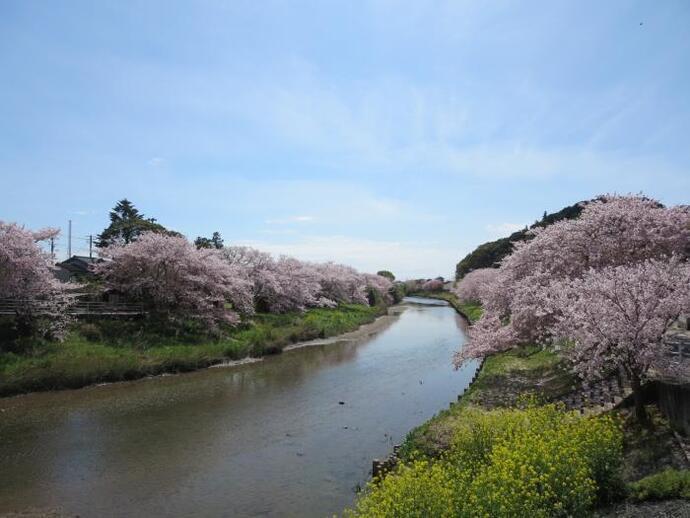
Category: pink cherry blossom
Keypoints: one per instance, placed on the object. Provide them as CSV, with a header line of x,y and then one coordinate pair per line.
x,y
26,278
433,285
616,317
473,286
340,283
522,303
176,281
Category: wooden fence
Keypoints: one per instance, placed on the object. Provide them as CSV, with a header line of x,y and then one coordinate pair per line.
x,y
678,346
77,308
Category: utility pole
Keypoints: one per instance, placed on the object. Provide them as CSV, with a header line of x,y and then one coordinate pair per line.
x,y
52,248
90,246
69,240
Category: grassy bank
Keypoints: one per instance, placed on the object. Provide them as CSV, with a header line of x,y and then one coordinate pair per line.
x,y
518,474
470,310
530,461
502,381
111,350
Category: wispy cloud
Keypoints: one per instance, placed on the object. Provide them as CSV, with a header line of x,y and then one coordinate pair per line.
x,y
498,230
395,127
405,259
289,220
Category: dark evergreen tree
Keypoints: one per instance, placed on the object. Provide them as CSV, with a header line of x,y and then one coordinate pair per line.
x,y
387,274
490,255
215,241
127,224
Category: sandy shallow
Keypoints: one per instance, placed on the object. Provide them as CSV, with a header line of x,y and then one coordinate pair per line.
x,y
362,333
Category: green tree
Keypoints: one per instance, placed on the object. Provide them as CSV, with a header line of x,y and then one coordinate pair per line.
x,y
127,224
385,273
215,241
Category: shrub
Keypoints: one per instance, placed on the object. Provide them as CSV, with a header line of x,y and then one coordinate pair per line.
x,y
397,292
420,489
91,332
537,462
374,297
665,485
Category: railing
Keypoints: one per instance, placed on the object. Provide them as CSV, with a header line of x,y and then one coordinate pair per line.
x,y
678,347
78,307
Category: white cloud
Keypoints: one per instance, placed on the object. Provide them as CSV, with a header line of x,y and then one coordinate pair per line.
x,y
405,259
390,125
387,124
499,230
290,219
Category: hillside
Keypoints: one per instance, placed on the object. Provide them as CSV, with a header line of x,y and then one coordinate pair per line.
x,y
490,254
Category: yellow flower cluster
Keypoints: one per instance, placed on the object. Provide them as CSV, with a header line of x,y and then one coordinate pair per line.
x,y
535,461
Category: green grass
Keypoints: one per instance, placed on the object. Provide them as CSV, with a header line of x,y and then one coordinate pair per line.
x,y
528,358
472,311
665,485
503,379
125,350
534,461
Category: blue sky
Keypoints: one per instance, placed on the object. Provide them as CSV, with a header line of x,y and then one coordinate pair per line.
x,y
380,134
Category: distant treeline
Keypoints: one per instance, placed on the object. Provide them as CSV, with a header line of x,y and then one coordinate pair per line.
x,y
489,255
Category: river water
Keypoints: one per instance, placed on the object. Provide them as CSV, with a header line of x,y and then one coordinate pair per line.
x,y
269,438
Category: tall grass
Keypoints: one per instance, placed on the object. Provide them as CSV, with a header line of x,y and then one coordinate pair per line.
x,y
106,351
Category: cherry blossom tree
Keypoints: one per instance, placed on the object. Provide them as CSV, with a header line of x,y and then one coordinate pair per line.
x,y
413,285
341,284
176,281
288,284
27,280
278,286
612,231
487,336
473,286
378,284
520,306
616,317
433,285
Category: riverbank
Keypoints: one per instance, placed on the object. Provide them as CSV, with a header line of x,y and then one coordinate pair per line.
x,y
301,428
110,351
505,383
363,332
471,311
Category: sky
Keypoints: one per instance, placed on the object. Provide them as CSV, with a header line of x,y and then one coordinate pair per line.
x,y
380,134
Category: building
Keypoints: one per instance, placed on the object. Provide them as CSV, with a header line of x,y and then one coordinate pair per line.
x,y
76,268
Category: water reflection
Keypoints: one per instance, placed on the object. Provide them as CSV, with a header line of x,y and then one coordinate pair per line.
x,y
262,439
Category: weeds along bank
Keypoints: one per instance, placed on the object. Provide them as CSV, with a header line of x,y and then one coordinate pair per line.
x,y
500,452
189,305
111,350
531,461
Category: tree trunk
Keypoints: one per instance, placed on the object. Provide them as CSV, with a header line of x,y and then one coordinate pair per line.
x,y
640,411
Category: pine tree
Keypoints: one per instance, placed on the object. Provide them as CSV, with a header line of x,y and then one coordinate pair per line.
x,y
126,225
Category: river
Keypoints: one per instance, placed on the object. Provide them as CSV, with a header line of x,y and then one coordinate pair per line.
x,y
292,435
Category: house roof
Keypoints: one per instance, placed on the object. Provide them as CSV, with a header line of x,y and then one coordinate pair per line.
x,y
85,258
79,263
